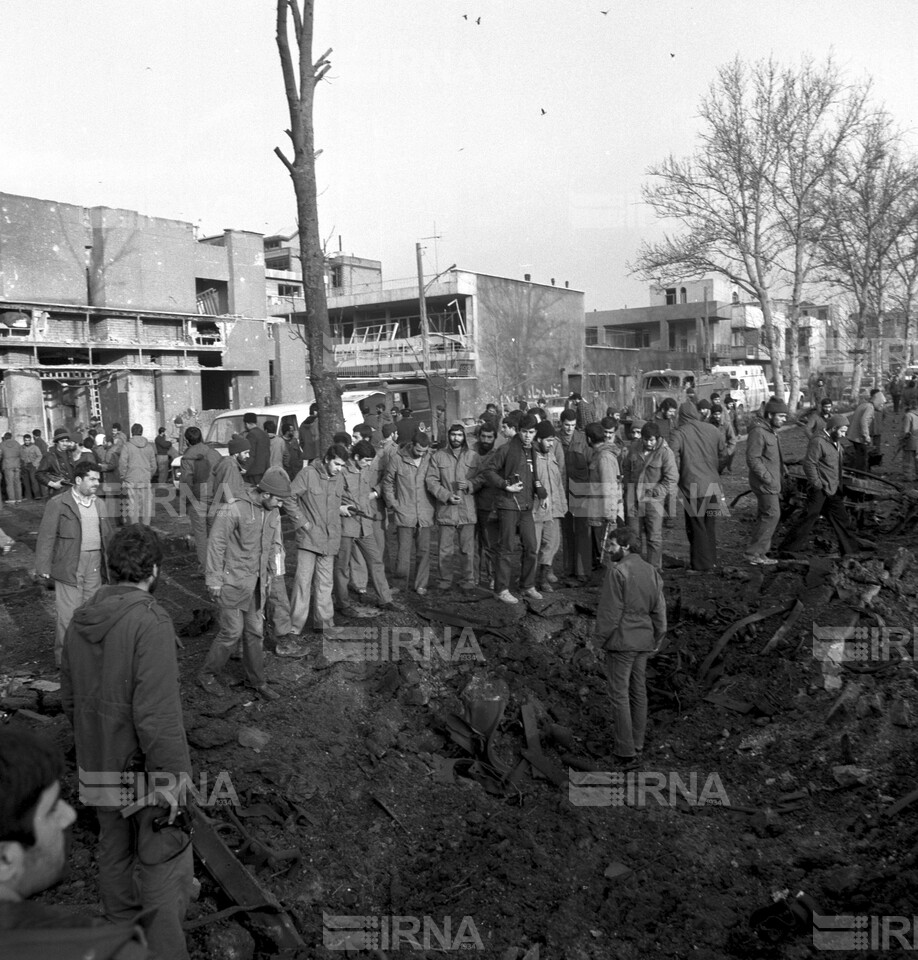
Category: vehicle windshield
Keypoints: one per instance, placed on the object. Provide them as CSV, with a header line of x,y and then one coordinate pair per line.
x,y
223,429
661,383
734,383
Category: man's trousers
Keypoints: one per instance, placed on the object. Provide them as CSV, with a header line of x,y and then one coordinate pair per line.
x,y
312,585
516,526
68,597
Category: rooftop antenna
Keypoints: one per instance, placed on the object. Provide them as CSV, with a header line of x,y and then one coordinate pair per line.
x,y
436,236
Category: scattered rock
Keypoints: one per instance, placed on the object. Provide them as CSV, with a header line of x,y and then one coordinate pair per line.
x,y
254,738
847,775
229,941
843,881
212,733
900,714
617,871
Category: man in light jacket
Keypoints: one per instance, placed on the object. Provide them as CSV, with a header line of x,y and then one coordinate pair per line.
x,y
137,465
547,514
649,476
604,503
452,482
71,548
406,495
630,627
245,552
864,430
766,474
316,508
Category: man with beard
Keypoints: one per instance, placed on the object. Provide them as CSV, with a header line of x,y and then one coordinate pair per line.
x,y
229,474
548,512
816,419
512,470
451,482
260,446
405,487
604,503
575,528
823,468
486,523
120,691
729,434
649,475
55,472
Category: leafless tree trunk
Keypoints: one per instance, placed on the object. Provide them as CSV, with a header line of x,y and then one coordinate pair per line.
x,y
300,78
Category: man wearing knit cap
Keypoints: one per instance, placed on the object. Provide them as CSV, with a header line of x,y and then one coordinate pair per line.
x,y
766,474
452,484
228,474
245,552
823,469
864,429
649,476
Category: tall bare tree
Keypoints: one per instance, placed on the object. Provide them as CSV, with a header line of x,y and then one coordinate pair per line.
x,y
867,209
903,295
816,113
722,195
301,75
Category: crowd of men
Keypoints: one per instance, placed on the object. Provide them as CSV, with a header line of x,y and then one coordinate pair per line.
x,y
506,503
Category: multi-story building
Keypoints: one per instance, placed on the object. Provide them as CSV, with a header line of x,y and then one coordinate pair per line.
x,y
110,313
487,336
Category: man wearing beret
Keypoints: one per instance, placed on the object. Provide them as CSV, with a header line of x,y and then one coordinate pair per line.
x,y
766,472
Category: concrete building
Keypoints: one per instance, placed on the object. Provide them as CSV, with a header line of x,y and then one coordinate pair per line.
x,y
489,336
130,318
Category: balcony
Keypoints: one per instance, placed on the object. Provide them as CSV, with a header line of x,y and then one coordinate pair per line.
x,y
361,357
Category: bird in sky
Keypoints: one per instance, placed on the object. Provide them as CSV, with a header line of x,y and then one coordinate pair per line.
x,y
673,56
478,21
465,16
544,111
604,12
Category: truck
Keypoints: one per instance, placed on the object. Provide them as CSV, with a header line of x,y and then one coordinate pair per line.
x,y
656,385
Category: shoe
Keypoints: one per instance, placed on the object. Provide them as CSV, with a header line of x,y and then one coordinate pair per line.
x,y
291,647
389,606
545,587
625,763
532,593
265,692
550,577
211,685
505,596
760,561
350,611
421,591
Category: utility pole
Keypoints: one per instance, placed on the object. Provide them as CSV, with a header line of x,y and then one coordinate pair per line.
x,y
425,341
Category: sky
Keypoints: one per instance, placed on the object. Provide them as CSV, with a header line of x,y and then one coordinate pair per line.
x,y
513,145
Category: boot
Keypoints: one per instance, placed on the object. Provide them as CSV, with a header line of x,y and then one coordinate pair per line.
x,y
542,582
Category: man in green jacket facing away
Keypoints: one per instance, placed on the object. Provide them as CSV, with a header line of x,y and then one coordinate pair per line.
x,y
630,626
766,473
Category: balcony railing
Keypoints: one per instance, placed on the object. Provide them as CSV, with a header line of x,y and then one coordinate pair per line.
x,y
446,351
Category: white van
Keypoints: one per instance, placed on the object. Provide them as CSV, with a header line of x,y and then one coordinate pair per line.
x,y
748,385
225,426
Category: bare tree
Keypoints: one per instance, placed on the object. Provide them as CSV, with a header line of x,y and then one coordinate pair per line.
x,y
903,293
867,209
300,80
723,195
816,113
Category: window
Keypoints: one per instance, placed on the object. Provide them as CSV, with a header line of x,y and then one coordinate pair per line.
x,y
592,336
288,290
670,296
683,296
272,244
287,420
336,275
645,338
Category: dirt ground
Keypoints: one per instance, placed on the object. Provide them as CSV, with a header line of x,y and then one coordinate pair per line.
x,y
360,770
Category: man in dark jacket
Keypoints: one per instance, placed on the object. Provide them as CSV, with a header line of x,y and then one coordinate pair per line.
x,y
55,472
766,475
405,492
487,526
649,476
575,527
823,468
34,819
630,627
260,444
309,434
70,550
292,458
163,447
699,449
196,486
512,470
120,691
